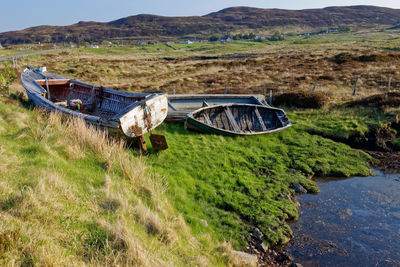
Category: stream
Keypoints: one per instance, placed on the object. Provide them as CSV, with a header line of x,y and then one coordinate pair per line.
x,y
351,222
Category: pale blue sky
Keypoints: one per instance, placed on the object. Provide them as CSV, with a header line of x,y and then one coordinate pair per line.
x,y
20,14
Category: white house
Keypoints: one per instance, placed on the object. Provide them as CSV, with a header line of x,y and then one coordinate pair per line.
x,y
141,42
186,42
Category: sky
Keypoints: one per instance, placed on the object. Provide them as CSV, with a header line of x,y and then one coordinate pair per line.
x,y
21,14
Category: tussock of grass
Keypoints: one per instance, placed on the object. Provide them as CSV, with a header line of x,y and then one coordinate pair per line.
x,y
70,195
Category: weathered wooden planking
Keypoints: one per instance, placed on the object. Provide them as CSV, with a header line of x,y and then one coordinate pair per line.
x,y
181,105
238,119
101,106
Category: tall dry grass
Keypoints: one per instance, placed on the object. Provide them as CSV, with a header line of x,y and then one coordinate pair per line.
x,y
61,220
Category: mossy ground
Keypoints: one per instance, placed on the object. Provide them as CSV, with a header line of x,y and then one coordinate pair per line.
x,y
241,182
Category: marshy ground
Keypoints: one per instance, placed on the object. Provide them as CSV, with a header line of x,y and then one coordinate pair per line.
x,y
217,188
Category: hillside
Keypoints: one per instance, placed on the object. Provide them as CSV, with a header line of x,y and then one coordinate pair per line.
x,y
235,19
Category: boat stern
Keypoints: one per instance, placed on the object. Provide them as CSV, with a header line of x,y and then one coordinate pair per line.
x,y
145,116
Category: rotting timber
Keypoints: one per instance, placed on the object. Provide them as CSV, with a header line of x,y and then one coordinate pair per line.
x,y
238,119
122,113
181,105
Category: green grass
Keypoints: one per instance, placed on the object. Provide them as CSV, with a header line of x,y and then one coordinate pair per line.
x,y
238,183
70,197
339,122
176,49
11,52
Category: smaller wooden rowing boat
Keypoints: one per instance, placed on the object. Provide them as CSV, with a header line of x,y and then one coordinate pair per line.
x,y
123,113
237,119
181,105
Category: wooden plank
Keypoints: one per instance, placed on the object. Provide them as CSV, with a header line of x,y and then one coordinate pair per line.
x,y
260,120
355,86
48,89
53,82
231,119
207,118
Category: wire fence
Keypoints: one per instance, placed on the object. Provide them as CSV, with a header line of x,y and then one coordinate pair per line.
x,y
352,88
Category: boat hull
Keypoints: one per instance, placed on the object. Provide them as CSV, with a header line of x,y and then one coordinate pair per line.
x,y
181,105
221,120
117,111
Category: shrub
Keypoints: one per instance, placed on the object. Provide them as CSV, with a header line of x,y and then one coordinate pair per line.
x,y
7,76
301,100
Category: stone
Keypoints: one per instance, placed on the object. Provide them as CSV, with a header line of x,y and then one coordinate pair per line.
x,y
204,222
262,247
245,259
257,234
296,265
299,189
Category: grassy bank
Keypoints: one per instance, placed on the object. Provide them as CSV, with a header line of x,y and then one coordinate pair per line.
x,y
71,196
239,183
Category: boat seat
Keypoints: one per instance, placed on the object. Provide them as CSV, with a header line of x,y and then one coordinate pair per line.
x,y
75,104
62,103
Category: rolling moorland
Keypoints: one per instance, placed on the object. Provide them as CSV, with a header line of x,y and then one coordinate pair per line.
x,y
228,21
71,195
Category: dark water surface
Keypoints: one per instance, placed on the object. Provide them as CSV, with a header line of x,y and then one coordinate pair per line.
x,y
352,222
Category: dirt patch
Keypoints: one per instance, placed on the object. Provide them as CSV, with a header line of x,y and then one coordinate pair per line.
x,y
381,101
388,161
342,58
376,139
301,100
348,57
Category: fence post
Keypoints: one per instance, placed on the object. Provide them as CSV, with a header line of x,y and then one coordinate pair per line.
x,y
355,86
389,84
270,97
314,86
173,91
225,91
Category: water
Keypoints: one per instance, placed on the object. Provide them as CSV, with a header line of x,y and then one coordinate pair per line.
x,y
352,222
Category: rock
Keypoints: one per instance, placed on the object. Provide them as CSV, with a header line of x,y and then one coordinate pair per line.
x,y
284,257
299,189
262,247
296,265
245,259
257,234
204,222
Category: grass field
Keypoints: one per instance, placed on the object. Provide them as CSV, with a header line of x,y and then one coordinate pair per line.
x,y
70,195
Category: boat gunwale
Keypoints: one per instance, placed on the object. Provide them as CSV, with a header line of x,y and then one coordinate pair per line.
x,y
191,117
27,79
35,93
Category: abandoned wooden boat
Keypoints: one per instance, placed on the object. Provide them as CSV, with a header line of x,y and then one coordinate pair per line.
x,y
181,105
124,113
237,119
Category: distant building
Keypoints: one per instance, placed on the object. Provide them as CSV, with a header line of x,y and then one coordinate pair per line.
x,y
141,42
93,46
186,42
226,40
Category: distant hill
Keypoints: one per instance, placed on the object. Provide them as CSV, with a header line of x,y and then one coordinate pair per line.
x,y
221,22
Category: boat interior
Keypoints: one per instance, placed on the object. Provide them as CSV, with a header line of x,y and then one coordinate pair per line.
x,y
242,118
97,101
